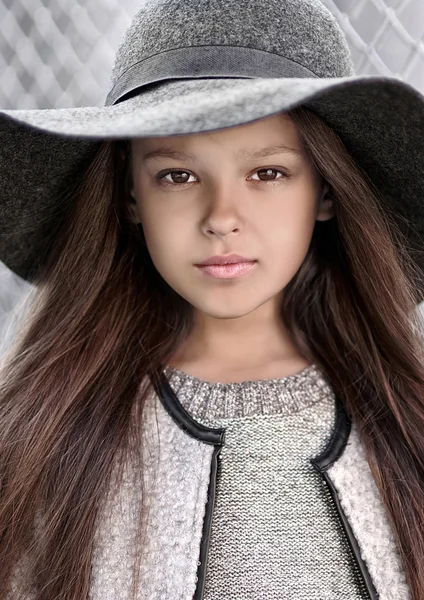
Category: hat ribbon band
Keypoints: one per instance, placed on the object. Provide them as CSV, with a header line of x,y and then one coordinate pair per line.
x,y
205,61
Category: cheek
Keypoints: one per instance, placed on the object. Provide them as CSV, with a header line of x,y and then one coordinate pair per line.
x,y
292,216
167,239
157,226
289,232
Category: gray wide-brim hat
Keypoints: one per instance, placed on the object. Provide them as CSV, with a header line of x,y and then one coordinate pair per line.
x,y
188,66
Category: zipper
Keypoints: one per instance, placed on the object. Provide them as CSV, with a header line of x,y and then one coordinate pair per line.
x,y
207,525
361,573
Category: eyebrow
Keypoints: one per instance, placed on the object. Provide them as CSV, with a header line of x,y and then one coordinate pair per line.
x,y
244,153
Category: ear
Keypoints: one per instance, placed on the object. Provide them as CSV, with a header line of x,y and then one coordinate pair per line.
x,y
325,210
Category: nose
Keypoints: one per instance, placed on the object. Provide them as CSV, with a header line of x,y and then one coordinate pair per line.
x,y
222,214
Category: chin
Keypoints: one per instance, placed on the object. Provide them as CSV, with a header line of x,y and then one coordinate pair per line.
x,y
226,310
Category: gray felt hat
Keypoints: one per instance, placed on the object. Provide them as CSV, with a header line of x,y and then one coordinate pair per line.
x,y
187,66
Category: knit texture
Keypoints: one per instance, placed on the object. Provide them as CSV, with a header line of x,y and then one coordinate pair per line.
x,y
274,535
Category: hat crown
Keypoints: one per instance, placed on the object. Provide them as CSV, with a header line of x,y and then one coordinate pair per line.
x,y
303,31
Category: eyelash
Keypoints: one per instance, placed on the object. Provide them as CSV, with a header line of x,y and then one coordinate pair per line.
x,y
160,177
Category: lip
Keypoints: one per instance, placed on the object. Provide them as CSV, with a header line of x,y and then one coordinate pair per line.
x,y
227,271
224,259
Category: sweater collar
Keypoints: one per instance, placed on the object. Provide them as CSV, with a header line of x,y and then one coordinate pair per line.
x,y
210,401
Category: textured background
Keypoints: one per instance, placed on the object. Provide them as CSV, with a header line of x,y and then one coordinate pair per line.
x,y
59,53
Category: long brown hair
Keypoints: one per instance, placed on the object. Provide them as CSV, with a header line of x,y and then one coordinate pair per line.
x,y
104,323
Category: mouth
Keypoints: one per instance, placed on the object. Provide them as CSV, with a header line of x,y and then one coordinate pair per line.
x,y
229,270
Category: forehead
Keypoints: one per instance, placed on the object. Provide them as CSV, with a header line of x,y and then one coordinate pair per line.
x,y
257,139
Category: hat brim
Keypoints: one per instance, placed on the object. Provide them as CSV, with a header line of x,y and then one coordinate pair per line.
x,y
42,152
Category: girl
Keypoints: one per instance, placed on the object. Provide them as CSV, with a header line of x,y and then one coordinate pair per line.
x,y
217,391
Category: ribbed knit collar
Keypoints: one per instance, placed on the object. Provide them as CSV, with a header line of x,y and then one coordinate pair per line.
x,y
208,401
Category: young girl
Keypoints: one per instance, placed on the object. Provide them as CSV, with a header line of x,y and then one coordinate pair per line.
x,y
217,391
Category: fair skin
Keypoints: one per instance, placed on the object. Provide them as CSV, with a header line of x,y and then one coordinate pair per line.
x,y
218,203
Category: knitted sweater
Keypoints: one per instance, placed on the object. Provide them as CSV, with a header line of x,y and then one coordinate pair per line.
x,y
274,534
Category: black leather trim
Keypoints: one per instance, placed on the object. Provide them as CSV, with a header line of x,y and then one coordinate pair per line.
x,y
207,523
338,439
182,418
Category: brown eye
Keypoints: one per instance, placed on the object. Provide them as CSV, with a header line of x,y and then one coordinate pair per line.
x,y
268,173
176,177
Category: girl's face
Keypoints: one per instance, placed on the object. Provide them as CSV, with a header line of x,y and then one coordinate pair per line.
x,y
217,197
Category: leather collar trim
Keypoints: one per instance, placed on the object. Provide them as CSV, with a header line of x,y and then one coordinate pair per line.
x,y
183,418
338,439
